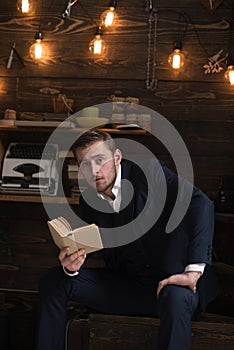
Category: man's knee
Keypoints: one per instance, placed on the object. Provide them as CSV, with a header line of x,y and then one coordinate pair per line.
x,y
174,299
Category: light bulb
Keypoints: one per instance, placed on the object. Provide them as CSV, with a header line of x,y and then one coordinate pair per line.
x,y
229,75
109,17
97,46
176,59
24,6
38,49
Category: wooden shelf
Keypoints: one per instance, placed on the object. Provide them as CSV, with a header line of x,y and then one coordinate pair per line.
x,y
125,131
224,217
30,127
37,199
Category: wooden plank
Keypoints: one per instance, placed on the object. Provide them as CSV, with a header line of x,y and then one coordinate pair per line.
x,y
36,199
183,100
129,37
121,62
8,93
121,332
21,320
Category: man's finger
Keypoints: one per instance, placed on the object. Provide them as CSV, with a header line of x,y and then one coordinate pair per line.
x,y
161,285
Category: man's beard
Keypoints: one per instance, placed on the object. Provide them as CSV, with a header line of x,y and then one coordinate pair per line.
x,y
108,185
103,190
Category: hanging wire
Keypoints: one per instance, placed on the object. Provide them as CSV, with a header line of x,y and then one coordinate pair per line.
x,y
151,81
88,15
190,21
40,18
181,34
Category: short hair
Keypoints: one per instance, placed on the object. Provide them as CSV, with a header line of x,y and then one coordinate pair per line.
x,y
90,137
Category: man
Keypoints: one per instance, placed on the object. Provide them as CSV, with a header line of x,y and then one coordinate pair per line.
x,y
160,274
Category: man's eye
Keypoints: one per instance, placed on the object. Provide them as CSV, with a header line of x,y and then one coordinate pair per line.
x,y
99,161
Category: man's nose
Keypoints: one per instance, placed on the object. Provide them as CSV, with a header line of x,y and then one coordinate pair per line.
x,y
94,168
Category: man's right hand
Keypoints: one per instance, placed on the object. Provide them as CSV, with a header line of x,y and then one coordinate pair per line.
x,y
74,261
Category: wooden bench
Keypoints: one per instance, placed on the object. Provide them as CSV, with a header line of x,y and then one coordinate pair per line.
x,y
108,332
213,331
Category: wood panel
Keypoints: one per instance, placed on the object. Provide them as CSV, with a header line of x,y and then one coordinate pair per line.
x,y
124,332
175,100
26,247
67,41
20,311
201,108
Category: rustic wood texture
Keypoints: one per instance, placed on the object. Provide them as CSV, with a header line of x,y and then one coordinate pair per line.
x,y
108,332
201,107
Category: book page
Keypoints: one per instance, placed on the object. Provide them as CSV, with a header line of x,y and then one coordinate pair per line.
x,y
61,225
88,237
61,241
65,223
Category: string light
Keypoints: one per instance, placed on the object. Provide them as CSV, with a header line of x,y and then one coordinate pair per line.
x,y
109,17
176,58
24,6
97,46
38,50
229,75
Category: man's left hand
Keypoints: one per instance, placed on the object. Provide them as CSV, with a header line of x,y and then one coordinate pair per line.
x,y
186,279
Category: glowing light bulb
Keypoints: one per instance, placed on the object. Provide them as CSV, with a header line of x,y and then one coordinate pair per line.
x,y
38,48
97,46
229,75
24,6
109,17
176,59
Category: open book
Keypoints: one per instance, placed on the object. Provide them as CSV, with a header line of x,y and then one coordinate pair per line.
x,y
87,237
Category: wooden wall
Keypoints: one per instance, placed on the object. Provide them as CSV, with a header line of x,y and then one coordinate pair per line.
x,y
200,106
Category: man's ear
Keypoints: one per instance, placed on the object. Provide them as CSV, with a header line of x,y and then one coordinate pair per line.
x,y
117,156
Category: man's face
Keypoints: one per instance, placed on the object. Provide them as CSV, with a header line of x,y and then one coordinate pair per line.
x,y
99,166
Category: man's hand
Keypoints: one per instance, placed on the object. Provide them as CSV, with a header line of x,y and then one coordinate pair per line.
x,y
74,261
186,279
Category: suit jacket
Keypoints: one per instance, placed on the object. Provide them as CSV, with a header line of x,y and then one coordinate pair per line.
x,y
135,239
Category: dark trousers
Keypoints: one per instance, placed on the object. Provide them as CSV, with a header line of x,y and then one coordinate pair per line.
x,y
110,292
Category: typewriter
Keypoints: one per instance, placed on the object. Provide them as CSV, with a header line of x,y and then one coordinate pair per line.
x,y
30,168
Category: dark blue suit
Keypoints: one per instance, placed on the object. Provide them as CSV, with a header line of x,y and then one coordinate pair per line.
x,y
128,284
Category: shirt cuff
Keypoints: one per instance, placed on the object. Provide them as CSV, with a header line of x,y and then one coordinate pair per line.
x,y
69,273
195,267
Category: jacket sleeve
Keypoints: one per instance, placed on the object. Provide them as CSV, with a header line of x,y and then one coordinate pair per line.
x,y
198,222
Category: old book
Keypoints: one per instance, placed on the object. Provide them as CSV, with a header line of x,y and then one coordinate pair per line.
x,y
87,237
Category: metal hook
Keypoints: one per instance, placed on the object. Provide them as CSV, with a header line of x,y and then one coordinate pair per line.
x,y
10,58
67,11
149,5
